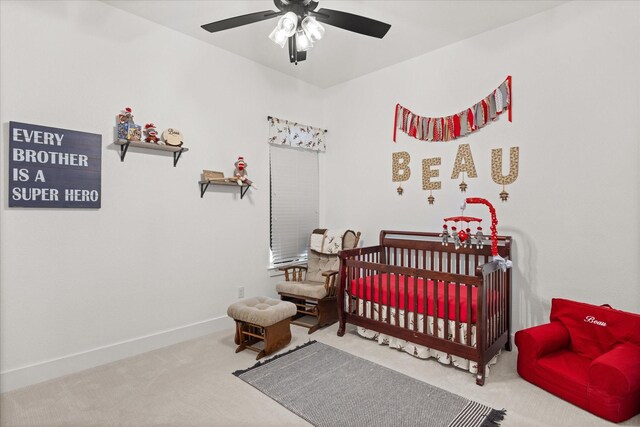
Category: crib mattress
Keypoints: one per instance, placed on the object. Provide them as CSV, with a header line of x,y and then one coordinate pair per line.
x,y
374,287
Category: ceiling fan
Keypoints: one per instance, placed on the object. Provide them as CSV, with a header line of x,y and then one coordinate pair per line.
x,y
299,25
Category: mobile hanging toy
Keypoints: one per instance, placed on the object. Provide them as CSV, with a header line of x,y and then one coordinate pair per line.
x,y
464,238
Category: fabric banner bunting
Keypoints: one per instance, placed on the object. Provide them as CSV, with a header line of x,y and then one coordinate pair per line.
x,y
457,125
285,132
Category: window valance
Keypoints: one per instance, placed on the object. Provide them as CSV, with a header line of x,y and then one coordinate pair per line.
x,y
285,132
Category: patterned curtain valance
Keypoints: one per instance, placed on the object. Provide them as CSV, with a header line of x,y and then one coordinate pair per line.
x,y
285,132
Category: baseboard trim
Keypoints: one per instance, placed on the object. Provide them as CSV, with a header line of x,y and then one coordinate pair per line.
x,y
50,369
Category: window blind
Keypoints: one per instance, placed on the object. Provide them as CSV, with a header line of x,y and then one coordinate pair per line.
x,y
294,203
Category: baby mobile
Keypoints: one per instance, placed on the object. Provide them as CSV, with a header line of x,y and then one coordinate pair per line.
x,y
464,238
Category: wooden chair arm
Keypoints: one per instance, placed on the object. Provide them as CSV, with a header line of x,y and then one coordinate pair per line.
x,y
296,272
330,281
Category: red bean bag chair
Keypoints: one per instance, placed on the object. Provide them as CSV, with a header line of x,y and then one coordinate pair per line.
x,y
588,355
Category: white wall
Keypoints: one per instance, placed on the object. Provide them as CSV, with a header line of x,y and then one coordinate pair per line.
x,y
573,211
156,264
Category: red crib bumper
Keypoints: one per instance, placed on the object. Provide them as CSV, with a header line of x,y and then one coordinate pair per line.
x,y
378,284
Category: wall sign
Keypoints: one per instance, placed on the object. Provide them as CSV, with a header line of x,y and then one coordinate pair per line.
x,y
53,168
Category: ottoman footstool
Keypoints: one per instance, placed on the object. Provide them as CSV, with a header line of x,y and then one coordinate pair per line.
x,y
262,319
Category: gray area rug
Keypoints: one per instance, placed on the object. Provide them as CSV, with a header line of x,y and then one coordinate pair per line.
x,y
329,387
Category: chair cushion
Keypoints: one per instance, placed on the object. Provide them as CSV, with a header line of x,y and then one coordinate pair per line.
x,y
319,263
262,311
564,374
305,288
595,330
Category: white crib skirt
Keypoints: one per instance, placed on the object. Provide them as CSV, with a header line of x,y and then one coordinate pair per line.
x,y
418,350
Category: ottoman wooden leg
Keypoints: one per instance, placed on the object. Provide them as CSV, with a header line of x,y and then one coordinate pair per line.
x,y
247,334
277,336
238,337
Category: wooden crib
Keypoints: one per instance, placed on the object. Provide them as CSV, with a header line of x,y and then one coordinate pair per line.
x,y
392,288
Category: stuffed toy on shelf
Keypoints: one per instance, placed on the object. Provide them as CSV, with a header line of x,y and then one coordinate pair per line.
x,y
240,173
151,133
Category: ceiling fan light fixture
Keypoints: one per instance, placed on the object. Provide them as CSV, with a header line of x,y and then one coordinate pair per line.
x,y
299,19
303,43
278,36
288,23
312,28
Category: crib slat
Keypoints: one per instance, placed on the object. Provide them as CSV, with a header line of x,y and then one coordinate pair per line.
x,y
348,289
405,285
352,277
476,261
503,311
415,303
467,259
359,290
469,303
501,306
436,284
498,298
397,304
379,280
457,323
446,311
498,306
388,299
368,297
425,293
489,302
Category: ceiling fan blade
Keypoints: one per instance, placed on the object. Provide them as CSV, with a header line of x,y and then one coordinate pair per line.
x,y
356,23
241,20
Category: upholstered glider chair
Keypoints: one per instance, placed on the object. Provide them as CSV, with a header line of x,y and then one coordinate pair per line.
x,y
312,288
588,355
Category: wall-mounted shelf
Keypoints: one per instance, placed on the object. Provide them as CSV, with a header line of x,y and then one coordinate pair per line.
x,y
205,184
124,146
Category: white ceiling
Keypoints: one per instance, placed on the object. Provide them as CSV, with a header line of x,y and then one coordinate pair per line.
x,y
417,27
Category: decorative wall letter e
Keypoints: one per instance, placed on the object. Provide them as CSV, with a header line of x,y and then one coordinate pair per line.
x,y
427,174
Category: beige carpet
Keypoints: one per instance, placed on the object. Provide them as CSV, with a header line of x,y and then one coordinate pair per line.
x,y
190,384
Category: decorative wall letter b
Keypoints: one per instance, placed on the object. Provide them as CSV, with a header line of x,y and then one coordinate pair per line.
x,y
400,165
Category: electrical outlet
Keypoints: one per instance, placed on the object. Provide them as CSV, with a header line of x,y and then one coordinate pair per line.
x,y
241,292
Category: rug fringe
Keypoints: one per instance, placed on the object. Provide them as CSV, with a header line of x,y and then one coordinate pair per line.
x,y
264,362
494,418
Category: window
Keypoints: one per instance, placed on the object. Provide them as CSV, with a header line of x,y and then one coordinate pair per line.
x,y
294,202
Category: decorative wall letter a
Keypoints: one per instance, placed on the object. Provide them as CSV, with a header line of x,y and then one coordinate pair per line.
x,y
464,154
